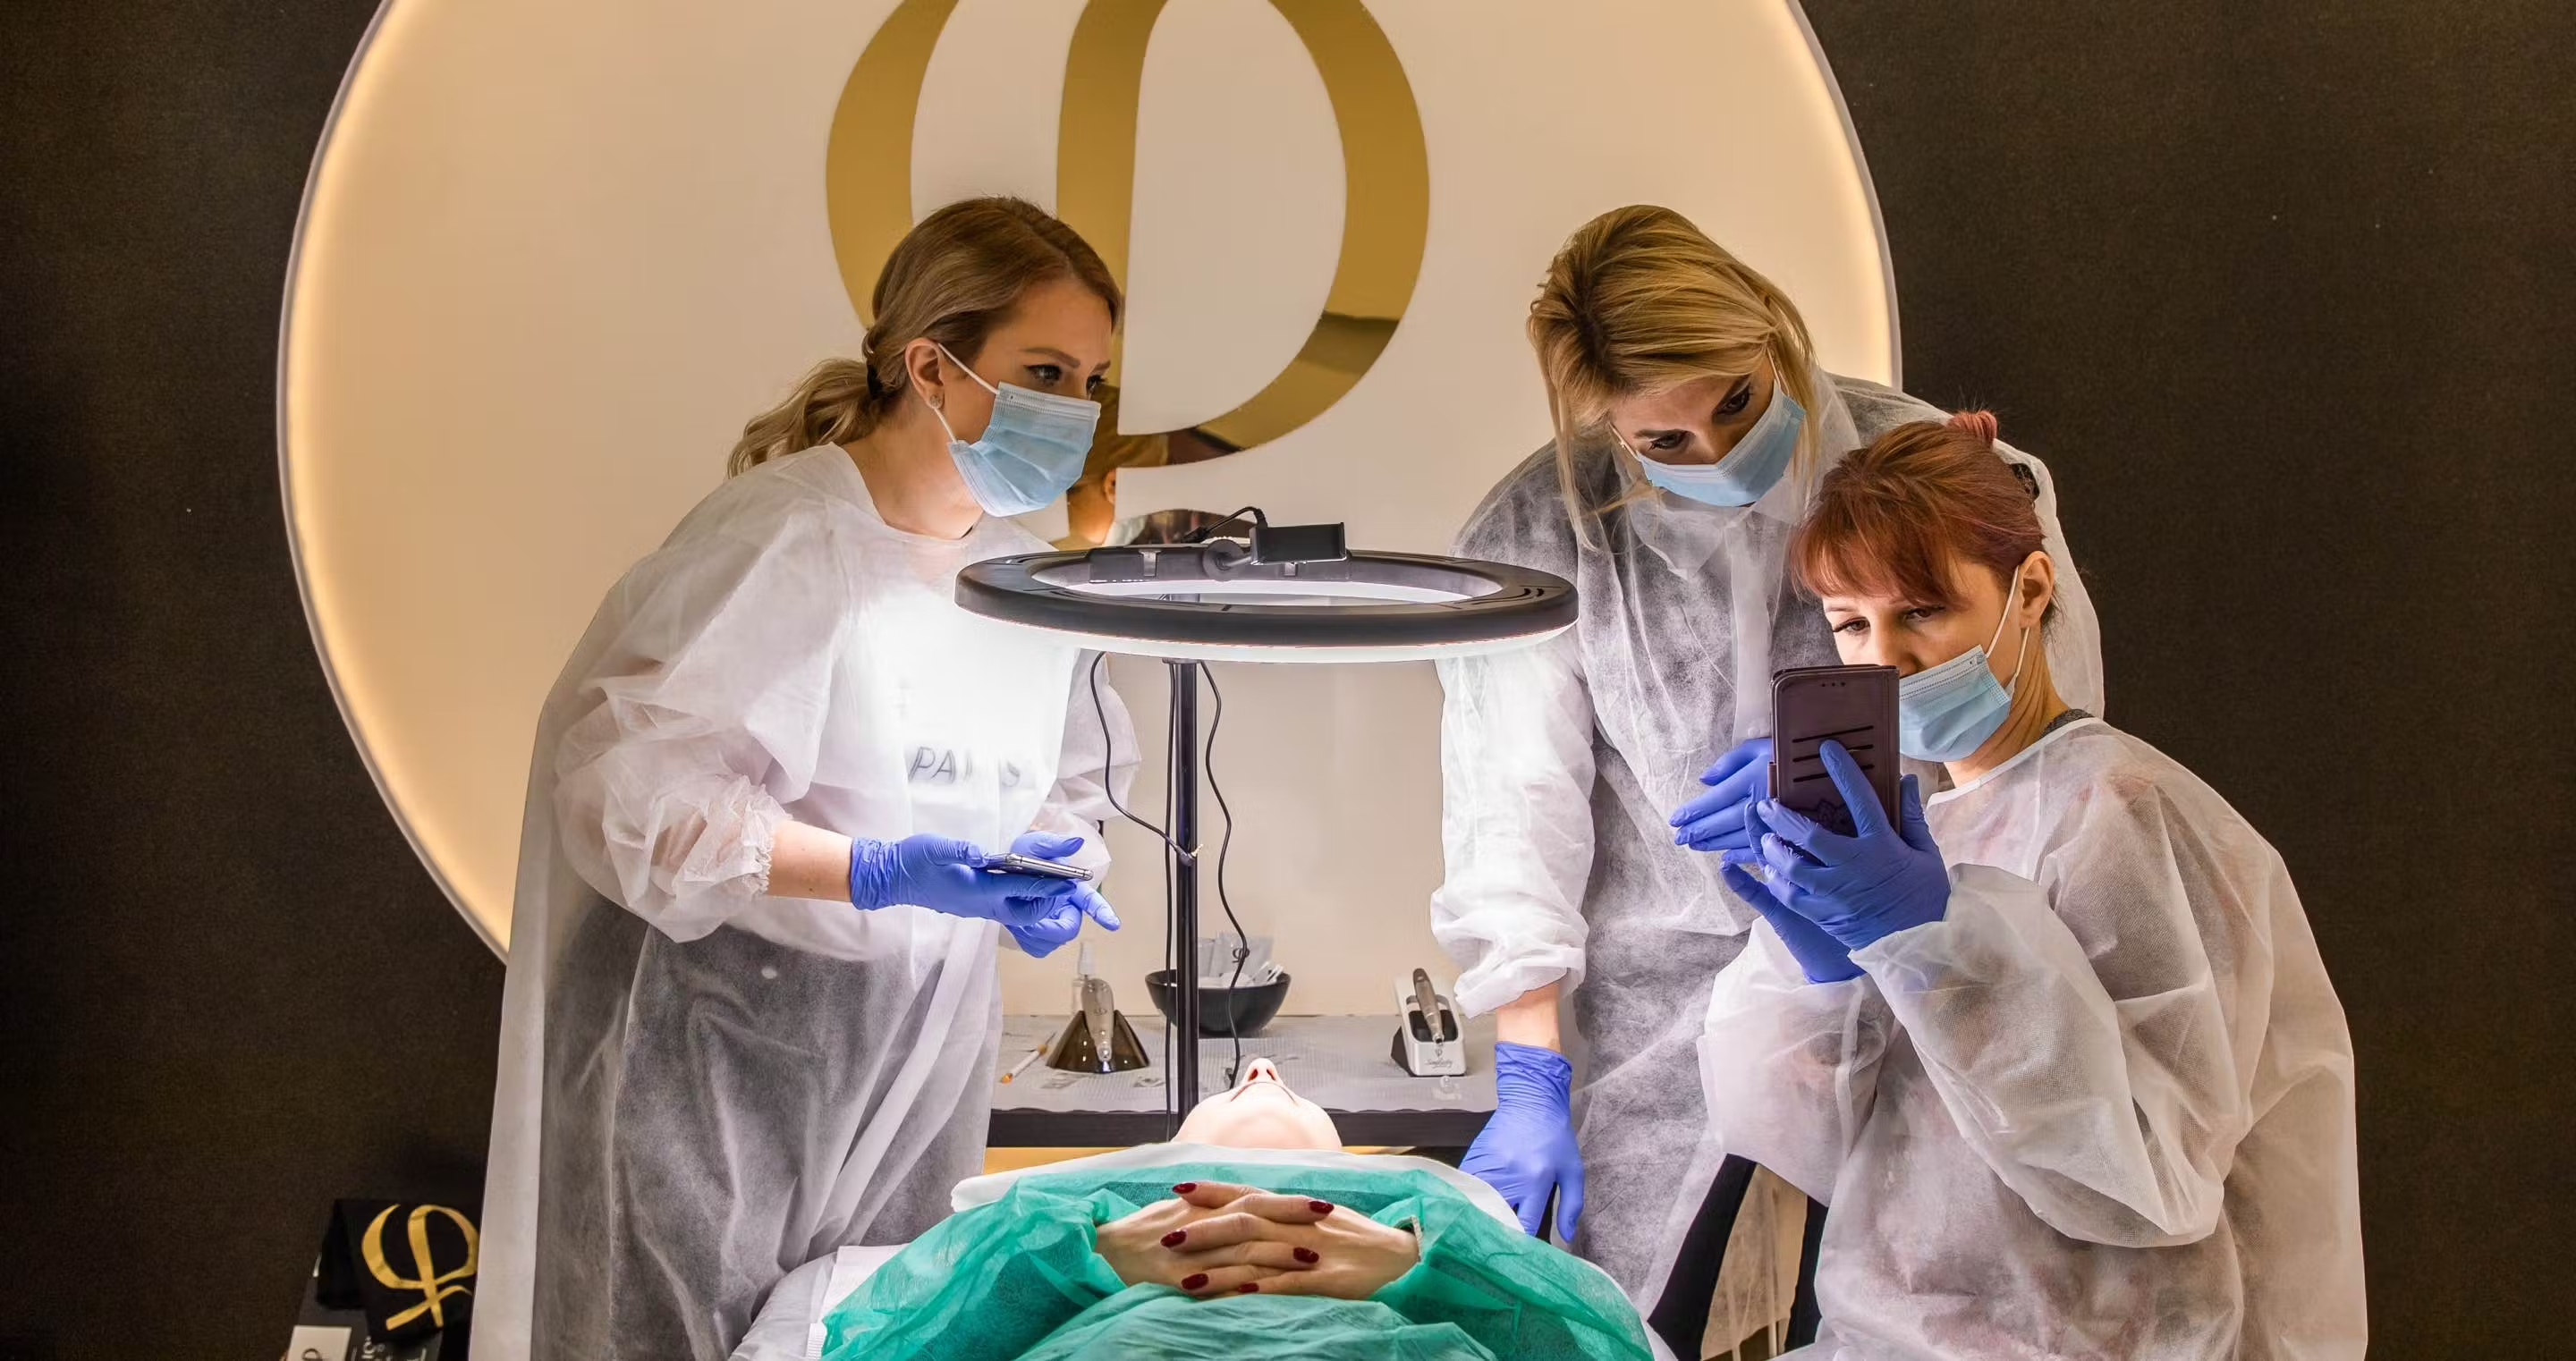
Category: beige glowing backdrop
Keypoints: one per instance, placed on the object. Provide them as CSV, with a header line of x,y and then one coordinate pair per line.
x,y
555,252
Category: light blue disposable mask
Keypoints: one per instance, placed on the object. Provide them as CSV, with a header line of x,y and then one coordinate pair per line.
x,y
1032,450
1749,470
1946,712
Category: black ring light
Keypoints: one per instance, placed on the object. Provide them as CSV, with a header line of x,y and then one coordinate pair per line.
x,y
1223,601
1218,600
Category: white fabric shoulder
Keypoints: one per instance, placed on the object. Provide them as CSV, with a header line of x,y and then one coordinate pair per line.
x,y
2023,757
826,472
823,475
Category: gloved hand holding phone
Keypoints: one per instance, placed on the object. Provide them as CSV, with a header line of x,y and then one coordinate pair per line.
x,y
1063,920
1858,889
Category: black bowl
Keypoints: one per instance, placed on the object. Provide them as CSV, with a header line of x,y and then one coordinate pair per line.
x,y
1248,1008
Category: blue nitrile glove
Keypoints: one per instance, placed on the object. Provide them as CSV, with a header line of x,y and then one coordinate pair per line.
x,y
940,873
1527,1149
1063,921
1820,957
1859,888
1715,820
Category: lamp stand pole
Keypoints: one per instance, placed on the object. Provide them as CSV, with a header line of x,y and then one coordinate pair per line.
x,y
1182,874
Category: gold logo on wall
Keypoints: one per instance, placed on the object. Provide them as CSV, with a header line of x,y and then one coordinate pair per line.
x,y
867,177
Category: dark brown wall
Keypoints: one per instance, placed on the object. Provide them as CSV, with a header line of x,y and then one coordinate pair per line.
x,y
230,992
2281,291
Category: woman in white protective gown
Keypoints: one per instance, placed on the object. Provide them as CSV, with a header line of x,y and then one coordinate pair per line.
x,y
751,1009
1692,419
2058,1051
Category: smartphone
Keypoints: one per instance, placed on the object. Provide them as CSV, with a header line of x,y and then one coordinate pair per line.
x,y
1014,863
1853,705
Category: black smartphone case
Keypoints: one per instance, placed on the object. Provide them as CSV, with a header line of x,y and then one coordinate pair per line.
x,y
1853,705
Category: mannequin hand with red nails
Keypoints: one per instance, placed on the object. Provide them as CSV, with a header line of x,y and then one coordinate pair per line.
x,y
1329,1250
1147,1247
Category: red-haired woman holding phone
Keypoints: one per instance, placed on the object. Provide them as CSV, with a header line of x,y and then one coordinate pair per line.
x,y
2057,1049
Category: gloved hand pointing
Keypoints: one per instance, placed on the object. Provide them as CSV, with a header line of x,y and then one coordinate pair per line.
x,y
1527,1149
1858,888
941,873
1063,921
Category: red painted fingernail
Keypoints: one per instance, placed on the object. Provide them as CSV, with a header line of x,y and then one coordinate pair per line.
x,y
1321,1207
1194,1282
1185,1188
1247,1288
1175,1238
1309,1255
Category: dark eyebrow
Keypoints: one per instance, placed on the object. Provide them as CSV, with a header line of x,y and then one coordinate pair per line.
x,y
1740,385
1050,352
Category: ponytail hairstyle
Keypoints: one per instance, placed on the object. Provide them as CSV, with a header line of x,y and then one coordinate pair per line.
x,y
952,279
1889,520
1638,301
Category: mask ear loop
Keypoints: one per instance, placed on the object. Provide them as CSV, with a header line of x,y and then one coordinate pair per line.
x,y
1622,441
2012,601
935,406
940,416
961,368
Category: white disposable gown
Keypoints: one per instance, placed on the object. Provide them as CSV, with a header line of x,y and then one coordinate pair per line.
x,y
2103,1108
703,1087
1562,764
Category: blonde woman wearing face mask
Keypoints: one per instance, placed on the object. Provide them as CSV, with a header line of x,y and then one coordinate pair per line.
x,y
1691,425
751,1008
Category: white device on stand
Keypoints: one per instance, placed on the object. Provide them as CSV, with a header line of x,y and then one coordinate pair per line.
x,y
1428,1039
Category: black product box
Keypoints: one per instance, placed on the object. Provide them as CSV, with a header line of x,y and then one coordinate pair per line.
x,y
393,1282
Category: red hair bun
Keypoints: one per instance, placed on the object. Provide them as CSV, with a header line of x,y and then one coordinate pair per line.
x,y
1978,423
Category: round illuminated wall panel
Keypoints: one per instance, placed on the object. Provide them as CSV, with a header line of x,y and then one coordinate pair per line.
x,y
555,252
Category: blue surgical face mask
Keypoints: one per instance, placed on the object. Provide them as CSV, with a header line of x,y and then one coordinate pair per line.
x,y
1032,450
1946,712
1749,470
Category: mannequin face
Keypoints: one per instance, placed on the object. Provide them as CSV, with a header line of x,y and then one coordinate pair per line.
x,y
1260,1113
1694,422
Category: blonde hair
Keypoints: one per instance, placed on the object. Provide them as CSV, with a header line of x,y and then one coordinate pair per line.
x,y
1639,301
951,279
